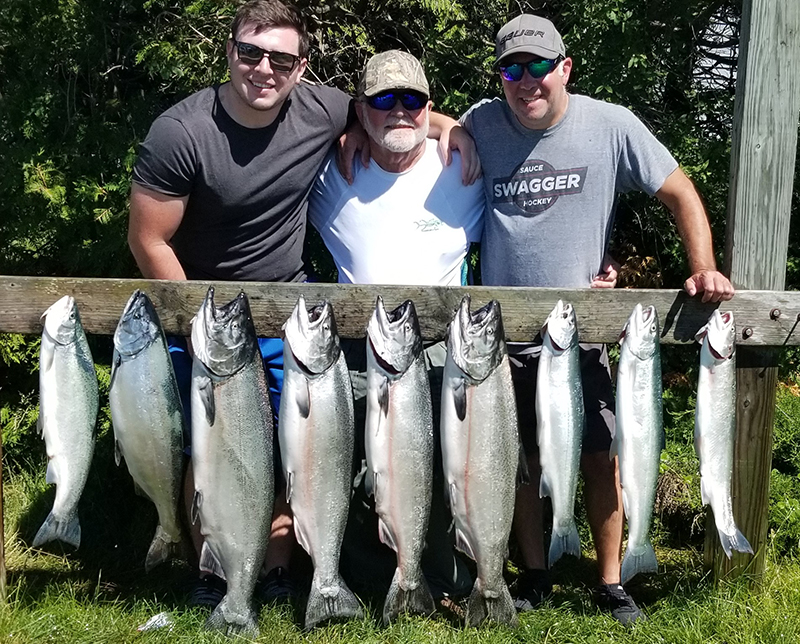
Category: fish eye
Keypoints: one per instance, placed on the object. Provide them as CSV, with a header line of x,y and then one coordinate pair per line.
x,y
565,315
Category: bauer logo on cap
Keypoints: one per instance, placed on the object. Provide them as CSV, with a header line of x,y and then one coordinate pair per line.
x,y
529,34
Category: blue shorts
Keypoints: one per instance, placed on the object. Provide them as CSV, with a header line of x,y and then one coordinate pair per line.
x,y
271,356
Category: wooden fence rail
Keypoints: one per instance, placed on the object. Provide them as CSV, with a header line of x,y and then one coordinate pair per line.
x,y
763,318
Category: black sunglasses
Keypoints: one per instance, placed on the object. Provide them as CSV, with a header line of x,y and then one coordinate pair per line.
x,y
280,61
386,101
538,68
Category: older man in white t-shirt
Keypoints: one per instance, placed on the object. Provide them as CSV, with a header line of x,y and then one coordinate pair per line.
x,y
407,218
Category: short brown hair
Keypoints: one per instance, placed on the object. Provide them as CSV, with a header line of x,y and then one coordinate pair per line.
x,y
267,14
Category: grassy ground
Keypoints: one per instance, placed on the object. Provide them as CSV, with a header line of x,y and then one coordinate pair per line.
x,y
101,594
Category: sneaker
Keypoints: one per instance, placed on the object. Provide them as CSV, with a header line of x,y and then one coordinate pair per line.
x,y
613,599
276,587
207,591
533,587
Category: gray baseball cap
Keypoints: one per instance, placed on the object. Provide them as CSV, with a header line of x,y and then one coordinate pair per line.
x,y
529,34
393,69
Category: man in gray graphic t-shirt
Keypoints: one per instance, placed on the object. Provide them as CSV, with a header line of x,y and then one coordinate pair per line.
x,y
553,165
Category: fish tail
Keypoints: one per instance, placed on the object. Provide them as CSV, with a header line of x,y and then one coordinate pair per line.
x,y
566,543
232,620
639,559
495,605
411,596
334,601
735,541
161,549
67,530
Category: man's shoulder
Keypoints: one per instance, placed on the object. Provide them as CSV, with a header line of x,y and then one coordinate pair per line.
x,y
486,108
195,107
320,97
610,113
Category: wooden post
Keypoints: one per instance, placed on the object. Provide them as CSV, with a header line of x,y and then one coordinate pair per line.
x,y
764,144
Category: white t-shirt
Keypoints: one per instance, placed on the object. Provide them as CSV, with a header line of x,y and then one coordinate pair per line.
x,y
412,227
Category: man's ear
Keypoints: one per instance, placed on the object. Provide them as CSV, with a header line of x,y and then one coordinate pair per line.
x,y
301,69
564,69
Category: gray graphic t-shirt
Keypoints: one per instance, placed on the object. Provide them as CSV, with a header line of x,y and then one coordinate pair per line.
x,y
551,194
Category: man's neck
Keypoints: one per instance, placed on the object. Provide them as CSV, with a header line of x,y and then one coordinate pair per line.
x,y
397,162
243,114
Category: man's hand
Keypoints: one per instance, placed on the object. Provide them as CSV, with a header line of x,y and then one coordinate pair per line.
x,y
607,278
714,286
457,138
353,140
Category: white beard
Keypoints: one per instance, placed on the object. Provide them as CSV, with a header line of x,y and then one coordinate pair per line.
x,y
398,140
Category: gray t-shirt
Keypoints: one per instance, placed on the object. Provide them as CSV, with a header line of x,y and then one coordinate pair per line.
x,y
248,188
551,194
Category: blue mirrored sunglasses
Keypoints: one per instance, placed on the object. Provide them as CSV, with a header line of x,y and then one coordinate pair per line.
x,y
538,68
386,101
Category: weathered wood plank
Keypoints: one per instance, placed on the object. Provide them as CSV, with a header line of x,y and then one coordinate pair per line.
x,y
764,146
601,313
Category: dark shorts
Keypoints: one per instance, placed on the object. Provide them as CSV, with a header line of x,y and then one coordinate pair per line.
x,y
272,358
598,395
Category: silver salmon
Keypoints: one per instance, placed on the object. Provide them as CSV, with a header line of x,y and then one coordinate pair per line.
x,y
399,448
68,404
480,453
232,437
715,425
639,435
560,421
148,421
316,432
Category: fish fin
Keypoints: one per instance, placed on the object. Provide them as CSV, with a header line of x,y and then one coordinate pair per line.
x,y
51,475
197,502
568,543
495,605
705,495
40,421
302,539
614,449
449,497
383,396
234,621
463,544
67,530
636,560
289,476
407,596
460,399
116,361
303,399
523,473
209,562
47,363
139,491
335,601
118,453
206,390
625,504
161,549
544,487
736,541
370,482
386,535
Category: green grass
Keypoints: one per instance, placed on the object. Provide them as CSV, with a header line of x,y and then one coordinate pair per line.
x,y
101,594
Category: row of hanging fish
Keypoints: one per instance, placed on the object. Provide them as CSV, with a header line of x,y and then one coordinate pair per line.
x,y
232,446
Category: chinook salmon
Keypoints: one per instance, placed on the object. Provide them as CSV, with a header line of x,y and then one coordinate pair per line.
x,y
147,416
399,448
639,434
316,432
715,425
68,404
560,421
480,453
231,456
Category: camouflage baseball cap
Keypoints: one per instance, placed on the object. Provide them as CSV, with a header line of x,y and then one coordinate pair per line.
x,y
392,69
529,34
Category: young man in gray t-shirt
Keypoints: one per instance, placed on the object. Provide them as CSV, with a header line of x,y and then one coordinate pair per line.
x,y
553,165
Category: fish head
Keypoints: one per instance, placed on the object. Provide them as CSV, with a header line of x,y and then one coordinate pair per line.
x,y
62,322
719,335
312,337
224,338
560,329
641,332
477,340
138,327
394,337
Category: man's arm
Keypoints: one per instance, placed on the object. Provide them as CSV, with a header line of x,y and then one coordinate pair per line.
x,y
153,221
680,196
454,137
